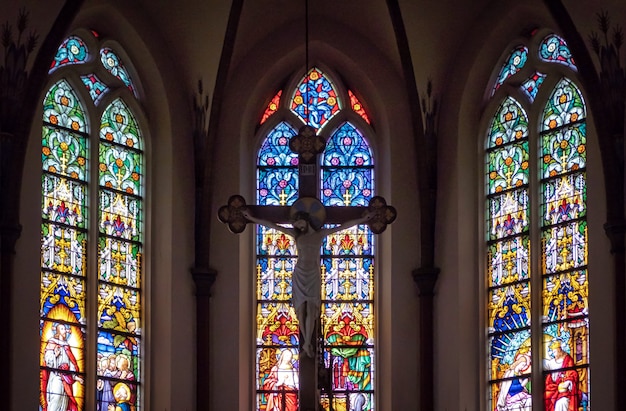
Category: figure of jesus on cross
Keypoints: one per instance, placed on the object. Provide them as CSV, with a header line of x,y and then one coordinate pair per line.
x,y
307,217
306,274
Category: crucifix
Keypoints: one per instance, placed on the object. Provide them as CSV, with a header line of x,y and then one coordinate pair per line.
x,y
307,216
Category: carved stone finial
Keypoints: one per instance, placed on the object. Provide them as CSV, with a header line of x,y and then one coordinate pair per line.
x,y
13,73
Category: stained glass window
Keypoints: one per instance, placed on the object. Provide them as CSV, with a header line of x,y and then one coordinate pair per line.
x,y
358,107
72,51
95,86
555,50
315,100
514,63
72,206
272,106
114,65
560,253
348,272
532,84
346,262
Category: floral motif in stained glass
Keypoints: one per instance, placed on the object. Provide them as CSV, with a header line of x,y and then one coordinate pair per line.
x,y
513,64
114,65
272,106
566,105
555,50
277,172
73,50
62,108
347,168
358,107
315,100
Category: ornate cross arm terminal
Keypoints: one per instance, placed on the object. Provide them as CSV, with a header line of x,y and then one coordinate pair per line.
x,y
232,214
382,214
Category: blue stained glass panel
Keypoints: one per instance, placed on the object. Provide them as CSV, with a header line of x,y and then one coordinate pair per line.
x,y
555,50
95,86
73,50
275,151
277,186
111,61
513,64
532,84
347,148
315,100
347,186
509,307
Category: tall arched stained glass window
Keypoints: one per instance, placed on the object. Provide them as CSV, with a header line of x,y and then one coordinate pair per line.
x,y
537,237
92,235
346,257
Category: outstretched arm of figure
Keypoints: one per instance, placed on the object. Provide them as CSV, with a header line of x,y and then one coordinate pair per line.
x,y
266,223
366,217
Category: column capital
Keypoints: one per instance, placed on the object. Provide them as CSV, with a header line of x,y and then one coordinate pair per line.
x,y
616,230
425,278
204,279
9,233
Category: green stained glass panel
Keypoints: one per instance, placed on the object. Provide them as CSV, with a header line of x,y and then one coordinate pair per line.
x,y
351,363
508,261
64,153
120,215
507,167
508,125
565,106
565,246
564,198
63,201
120,168
63,248
118,125
120,261
62,108
564,150
508,214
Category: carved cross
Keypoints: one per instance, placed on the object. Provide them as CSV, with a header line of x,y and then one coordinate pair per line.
x,y
308,145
